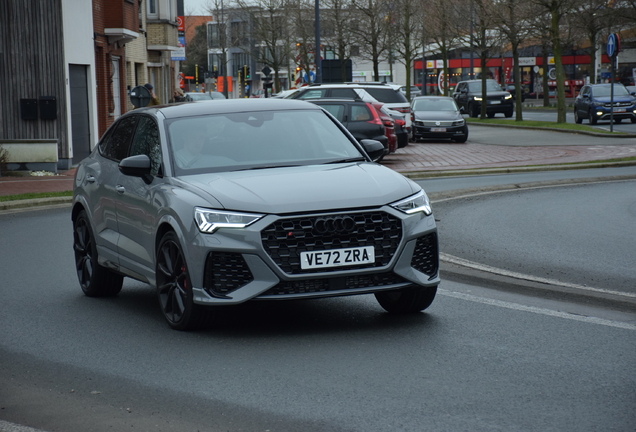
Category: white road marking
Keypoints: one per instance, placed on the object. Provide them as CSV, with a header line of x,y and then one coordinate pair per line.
x,y
536,310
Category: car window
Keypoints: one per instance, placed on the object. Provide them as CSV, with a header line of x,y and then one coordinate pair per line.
x,y
253,139
116,147
360,113
434,104
603,91
343,93
313,94
146,141
386,95
336,110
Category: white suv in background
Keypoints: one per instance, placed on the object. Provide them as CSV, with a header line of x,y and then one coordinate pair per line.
x,y
384,93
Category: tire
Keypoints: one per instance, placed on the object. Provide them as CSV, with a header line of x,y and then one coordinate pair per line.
x,y
577,117
473,110
592,117
509,113
633,119
406,300
461,140
174,288
616,121
491,114
95,280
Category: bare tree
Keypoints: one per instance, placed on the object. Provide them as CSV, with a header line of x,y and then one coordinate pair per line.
x,y
407,20
512,18
555,11
268,32
217,38
442,30
370,27
337,15
301,16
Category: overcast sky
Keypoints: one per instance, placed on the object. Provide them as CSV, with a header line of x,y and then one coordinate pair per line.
x,y
195,7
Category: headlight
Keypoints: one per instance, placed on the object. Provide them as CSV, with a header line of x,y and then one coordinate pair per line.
x,y
477,98
459,122
209,221
508,97
414,204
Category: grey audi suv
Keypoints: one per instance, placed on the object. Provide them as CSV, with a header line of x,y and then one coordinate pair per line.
x,y
218,204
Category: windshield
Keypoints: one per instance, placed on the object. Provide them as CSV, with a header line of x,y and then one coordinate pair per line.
x,y
199,96
491,85
619,90
229,142
434,104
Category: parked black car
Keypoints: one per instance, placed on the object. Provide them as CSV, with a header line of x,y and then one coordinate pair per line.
x,y
358,117
468,96
437,117
594,103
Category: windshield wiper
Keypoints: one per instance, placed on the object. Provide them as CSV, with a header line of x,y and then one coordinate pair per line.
x,y
353,159
266,167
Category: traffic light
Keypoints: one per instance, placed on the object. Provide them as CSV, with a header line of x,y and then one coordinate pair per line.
x,y
246,73
248,76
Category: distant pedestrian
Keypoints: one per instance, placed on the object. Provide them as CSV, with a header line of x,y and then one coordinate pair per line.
x,y
154,100
177,96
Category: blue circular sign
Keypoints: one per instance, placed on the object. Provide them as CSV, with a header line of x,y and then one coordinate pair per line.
x,y
611,45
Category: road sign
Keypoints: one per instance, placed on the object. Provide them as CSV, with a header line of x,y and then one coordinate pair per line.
x,y
266,71
612,45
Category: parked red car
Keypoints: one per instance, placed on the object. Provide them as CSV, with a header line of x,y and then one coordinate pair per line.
x,y
389,126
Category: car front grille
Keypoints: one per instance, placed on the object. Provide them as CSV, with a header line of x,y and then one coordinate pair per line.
x,y
325,285
285,239
434,123
225,272
425,256
618,104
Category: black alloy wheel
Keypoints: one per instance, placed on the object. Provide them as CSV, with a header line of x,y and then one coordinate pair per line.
x,y
175,289
406,300
592,117
95,280
509,113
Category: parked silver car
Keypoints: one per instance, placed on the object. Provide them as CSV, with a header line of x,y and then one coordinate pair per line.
x,y
248,199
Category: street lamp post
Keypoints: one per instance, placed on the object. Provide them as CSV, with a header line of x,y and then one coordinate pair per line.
x,y
317,50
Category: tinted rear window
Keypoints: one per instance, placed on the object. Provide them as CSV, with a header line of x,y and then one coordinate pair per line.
x,y
386,95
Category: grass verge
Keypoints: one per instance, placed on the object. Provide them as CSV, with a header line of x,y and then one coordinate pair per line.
x,y
35,195
541,124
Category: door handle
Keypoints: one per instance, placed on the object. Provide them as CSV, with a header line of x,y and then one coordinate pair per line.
x,y
90,179
120,189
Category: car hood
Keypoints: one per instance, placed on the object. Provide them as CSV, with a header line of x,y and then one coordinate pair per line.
x,y
306,188
436,115
608,99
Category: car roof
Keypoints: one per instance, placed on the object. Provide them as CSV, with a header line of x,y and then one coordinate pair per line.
x,y
337,100
222,106
432,97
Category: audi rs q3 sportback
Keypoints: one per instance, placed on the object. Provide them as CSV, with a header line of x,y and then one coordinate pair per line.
x,y
218,204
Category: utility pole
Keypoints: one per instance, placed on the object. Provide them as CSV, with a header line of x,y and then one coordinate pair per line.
x,y
317,50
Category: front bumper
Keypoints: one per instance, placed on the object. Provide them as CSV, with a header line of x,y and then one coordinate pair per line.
x,y
435,132
262,262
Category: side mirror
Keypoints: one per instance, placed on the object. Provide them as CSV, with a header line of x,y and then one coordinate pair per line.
x,y
461,109
136,166
374,148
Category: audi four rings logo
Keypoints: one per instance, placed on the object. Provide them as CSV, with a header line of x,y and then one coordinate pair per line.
x,y
334,225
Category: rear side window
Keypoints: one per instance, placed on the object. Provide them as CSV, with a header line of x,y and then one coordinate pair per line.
x,y
360,113
343,93
338,111
387,95
117,144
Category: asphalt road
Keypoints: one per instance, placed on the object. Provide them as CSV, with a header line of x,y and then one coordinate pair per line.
x,y
474,361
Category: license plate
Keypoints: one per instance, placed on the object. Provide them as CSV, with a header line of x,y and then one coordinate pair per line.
x,y
494,102
337,257
619,110
438,129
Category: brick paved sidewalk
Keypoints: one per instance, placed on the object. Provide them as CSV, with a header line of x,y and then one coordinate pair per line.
x,y
416,157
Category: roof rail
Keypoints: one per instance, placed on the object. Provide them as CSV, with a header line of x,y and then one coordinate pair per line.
x,y
366,83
